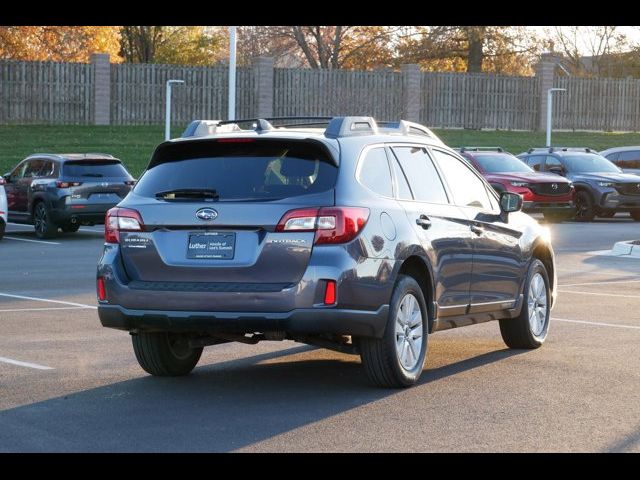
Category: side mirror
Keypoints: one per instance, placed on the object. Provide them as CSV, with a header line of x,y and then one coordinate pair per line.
x,y
510,202
7,177
557,170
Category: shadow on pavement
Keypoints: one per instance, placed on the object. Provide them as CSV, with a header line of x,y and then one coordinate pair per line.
x,y
220,407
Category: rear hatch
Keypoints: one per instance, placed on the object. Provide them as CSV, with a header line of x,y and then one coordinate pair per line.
x,y
210,210
96,182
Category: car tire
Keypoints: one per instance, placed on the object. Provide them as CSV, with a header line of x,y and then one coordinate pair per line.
x,y
556,217
70,227
2,228
42,222
635,215
394,361
165,354
529,330
585,210
607,214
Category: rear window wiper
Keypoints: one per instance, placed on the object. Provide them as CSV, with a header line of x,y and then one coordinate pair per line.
x,y
188,193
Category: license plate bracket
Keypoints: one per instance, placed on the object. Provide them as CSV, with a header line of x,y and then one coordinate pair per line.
x,y
211,245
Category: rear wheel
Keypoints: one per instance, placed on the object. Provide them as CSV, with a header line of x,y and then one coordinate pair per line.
x,y
635,215
70,227
530,328
165,354
396,360
585,211
42,222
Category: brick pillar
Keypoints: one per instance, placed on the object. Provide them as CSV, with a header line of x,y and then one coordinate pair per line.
x,y
263,75
411,94
545,69
101,88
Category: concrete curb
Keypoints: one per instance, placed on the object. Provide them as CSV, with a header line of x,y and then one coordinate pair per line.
x,y
628,248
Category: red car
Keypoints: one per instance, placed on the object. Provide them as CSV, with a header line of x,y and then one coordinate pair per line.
x,y
549,194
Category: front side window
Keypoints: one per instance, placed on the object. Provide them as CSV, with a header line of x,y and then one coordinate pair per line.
x,y
374,172
422,175
535,162
467,189
34,167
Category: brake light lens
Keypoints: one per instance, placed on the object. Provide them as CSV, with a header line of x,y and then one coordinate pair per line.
x,y
61,184
332,225
121,220
102,291
330,293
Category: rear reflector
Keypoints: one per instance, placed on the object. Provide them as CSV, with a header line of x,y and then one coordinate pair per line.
x,y
121,220
330,293
102,291
331,224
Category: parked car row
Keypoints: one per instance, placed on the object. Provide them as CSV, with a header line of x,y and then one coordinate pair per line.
x,y
562,182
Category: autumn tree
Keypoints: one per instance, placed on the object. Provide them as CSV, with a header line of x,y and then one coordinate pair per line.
x,y
188,45
58,43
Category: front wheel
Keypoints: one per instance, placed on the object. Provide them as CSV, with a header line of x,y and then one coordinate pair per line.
x,y
165,354
396,359
42,222
530,328
585,211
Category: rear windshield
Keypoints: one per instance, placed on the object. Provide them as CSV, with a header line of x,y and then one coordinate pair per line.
x,y
244,171
94,168
501,163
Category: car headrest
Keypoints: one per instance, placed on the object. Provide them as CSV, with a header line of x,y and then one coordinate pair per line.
x,y
295,167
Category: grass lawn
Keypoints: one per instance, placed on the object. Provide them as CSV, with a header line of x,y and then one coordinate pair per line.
x,y
134,144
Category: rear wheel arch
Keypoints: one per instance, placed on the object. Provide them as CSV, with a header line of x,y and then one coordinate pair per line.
x,y
419,269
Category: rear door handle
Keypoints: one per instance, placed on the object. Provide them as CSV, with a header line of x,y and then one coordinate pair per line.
x,y
477,229
423,221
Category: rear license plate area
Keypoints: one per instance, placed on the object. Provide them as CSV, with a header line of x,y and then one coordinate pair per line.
x,y
211,245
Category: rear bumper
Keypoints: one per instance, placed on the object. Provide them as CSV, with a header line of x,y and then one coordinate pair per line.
x,y
304,320
86,214
542,207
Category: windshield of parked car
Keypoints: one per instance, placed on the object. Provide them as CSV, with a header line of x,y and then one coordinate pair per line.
x,y
501,163
589,163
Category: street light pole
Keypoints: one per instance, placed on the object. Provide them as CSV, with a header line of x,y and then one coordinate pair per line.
x,y
167,110
550,110
232,73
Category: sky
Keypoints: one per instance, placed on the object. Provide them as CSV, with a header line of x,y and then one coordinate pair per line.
x,y
632,33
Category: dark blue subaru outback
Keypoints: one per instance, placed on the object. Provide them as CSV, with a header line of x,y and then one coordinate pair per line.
x,y
362,237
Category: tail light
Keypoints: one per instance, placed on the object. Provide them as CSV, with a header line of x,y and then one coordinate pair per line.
x,y
331,224
121,220
102,291
60,184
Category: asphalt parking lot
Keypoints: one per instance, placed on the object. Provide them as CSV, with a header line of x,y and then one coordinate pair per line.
x,y
67,384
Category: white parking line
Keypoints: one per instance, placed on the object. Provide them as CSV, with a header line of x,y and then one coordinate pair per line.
x,y
599,324
600,294
34,241
24,364
42,309
598,283
23,297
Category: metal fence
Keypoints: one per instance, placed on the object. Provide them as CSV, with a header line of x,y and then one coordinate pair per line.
x,y
138,93
46,92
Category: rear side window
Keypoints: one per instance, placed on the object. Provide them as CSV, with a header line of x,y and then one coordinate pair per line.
x,y
94,168
374,172
240,170
422,175
630,159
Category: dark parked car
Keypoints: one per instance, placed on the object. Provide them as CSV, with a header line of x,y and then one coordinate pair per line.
x,y
65,191
601,188
358,237
542,192
626,158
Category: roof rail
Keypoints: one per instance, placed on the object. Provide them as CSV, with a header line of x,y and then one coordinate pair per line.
x,y
481,149
563,149
349,126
